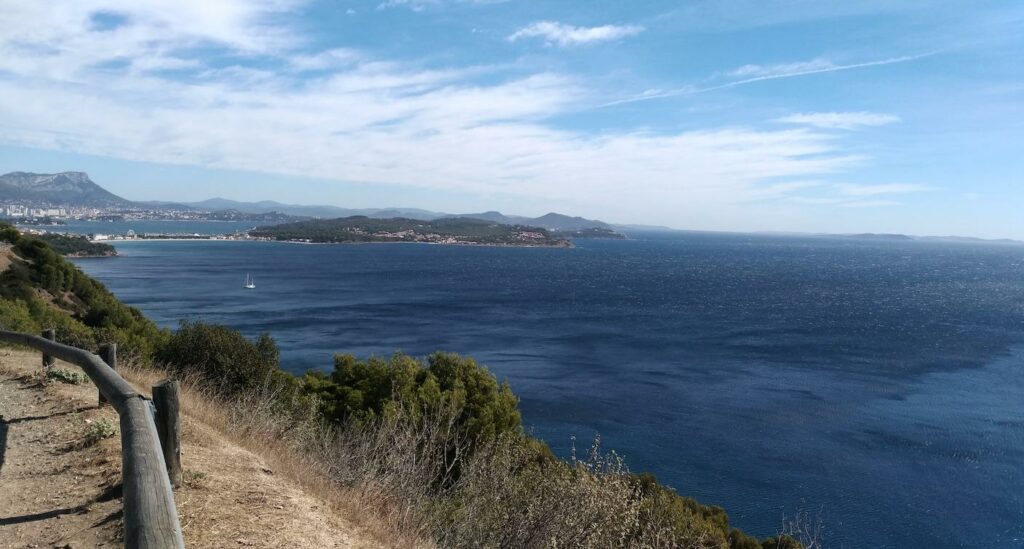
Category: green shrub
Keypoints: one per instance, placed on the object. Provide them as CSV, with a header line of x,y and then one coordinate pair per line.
x,y
70,377
363,390
98,430
76,245
16,317
225,358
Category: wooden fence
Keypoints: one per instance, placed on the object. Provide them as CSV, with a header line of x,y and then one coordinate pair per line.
x,y
150,517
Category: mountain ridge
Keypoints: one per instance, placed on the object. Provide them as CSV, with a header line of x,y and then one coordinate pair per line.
x,y
54,188
70,188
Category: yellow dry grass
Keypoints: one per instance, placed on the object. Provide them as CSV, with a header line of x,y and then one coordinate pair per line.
x,y
249,429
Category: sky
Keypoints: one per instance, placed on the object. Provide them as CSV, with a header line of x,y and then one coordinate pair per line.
x,y
741,115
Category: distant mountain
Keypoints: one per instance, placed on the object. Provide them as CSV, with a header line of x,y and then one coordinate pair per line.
x,y
326,212
76,189
651,228
552,221
165,205
66,188
969,240
408,213
494,217
559,222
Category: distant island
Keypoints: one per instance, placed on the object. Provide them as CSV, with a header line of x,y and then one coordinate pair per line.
x,y
450,230
593,232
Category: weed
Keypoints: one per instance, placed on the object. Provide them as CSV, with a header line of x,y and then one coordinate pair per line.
x,y
98,430
193,478
71,377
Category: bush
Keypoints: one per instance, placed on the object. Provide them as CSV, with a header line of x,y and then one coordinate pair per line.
x,y
76,245
16,317
222,356
361,391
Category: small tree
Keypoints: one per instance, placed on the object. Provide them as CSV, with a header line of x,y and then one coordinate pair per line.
x,y
222,355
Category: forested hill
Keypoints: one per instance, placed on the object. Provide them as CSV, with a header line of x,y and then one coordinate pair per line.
x,y
77,246
455,230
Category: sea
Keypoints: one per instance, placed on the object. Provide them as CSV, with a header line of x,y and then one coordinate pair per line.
x,y
874,385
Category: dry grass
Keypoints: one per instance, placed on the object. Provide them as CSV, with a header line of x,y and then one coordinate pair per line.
x,y
291,448
61,455
396,479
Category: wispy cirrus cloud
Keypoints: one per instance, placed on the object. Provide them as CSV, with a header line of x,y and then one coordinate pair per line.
x,y
840,120
843,195
881,189
750,74
420,5
760,73
561,34
756,71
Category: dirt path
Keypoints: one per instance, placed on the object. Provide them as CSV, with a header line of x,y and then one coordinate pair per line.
x,y
56,490
61,488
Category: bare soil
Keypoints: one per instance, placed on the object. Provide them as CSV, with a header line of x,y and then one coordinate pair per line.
x,y
6,257
59,489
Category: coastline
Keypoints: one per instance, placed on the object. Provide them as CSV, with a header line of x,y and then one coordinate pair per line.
x,y
569,244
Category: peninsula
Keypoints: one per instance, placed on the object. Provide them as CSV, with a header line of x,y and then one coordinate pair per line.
x,y
453,230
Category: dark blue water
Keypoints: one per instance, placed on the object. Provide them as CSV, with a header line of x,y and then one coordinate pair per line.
x,y
878,385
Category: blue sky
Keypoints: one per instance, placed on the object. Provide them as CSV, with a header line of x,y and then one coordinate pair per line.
x,y
868,116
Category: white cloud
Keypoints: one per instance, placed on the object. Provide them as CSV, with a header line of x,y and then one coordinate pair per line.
x,y
881,189
754,71
420,5
844,195
840,120
870,204
357,118
561,34
751,74
328,59
758,73
60,40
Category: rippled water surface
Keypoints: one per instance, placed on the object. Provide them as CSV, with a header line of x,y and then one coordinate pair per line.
x,y
876,384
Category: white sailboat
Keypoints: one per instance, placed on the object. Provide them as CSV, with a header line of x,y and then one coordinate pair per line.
x,y
250,282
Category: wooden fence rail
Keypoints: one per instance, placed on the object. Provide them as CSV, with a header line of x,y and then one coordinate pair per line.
x,y
150,517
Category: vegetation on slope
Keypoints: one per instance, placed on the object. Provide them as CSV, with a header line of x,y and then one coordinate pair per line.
x,y
77,246
436,447
453,230
40,289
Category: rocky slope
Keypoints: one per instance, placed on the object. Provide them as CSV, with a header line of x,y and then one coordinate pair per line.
x,y
68,188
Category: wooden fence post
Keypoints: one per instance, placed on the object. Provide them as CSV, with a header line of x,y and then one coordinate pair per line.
x,y
108,353
168,427
49,361
150,519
